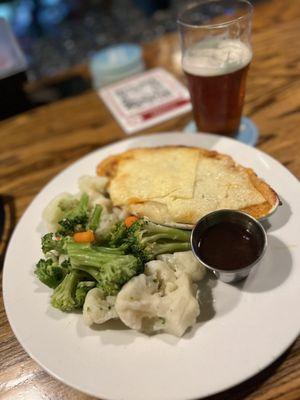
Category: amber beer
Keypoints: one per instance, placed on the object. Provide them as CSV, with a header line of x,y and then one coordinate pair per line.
x,y
216,71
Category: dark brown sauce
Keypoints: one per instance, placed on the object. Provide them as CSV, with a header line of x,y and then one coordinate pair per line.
x,y
228,246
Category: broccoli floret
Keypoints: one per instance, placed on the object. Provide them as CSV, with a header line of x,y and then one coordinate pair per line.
x,y
81,291
147,240
64,295
118,235
111,269
50,272
76,218
66,264
51,241
95,218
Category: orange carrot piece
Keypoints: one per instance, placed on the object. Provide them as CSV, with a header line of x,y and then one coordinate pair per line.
x,y
130,220
84,237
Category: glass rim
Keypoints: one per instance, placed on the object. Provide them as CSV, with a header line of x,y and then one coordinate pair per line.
x,y
247,13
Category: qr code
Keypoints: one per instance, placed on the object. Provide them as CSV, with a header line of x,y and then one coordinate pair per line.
x,y
144,93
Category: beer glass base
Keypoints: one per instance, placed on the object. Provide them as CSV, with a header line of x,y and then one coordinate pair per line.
x,y
247,133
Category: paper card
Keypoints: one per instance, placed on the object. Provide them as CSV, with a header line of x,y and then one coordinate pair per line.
x,y
146,99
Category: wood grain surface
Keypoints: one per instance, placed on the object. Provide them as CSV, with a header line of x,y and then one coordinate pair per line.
x,y
40,143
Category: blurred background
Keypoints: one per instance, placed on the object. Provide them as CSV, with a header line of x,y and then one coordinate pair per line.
x,y
57,34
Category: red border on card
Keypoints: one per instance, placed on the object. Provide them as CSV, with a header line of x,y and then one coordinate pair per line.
x,y
163,108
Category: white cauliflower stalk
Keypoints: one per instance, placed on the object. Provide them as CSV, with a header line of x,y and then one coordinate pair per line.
x,y
158,301
97,308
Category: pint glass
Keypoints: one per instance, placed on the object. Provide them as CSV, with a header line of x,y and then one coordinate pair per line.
x,y
216,55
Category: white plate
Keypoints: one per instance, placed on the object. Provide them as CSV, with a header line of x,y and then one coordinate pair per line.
x,y
251,326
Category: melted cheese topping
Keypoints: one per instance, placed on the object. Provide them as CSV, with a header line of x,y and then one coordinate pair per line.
x,y
218,185
151,173
180,185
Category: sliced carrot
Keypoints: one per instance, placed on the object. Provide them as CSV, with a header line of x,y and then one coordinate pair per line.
x,y
84,237
130,220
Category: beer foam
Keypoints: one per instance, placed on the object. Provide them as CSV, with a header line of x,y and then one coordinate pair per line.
x,y
212,57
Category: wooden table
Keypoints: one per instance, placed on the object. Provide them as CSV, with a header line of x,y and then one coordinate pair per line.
x,y
38,144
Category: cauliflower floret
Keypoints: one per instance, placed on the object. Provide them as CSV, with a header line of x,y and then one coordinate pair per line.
x,y
120,213
108,220
179,309
53,213
184,261
92,185
158,301
97,308
162,273
103,201
95,187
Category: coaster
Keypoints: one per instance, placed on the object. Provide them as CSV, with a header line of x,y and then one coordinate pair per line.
x,y
248,132
146,99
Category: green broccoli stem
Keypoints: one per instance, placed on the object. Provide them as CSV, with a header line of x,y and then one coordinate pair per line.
x,y
63,296
77,247
84,202
95,259
85,254
95,217
110,250
155,232
94,272
91,258
164,248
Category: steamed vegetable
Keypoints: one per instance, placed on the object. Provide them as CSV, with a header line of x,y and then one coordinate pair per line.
x,y
82,290
51,242
118,235
64,295
158,300
130,220
98,308
147,240
111,269
50,272
84,237
94,249
76,217
95,218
